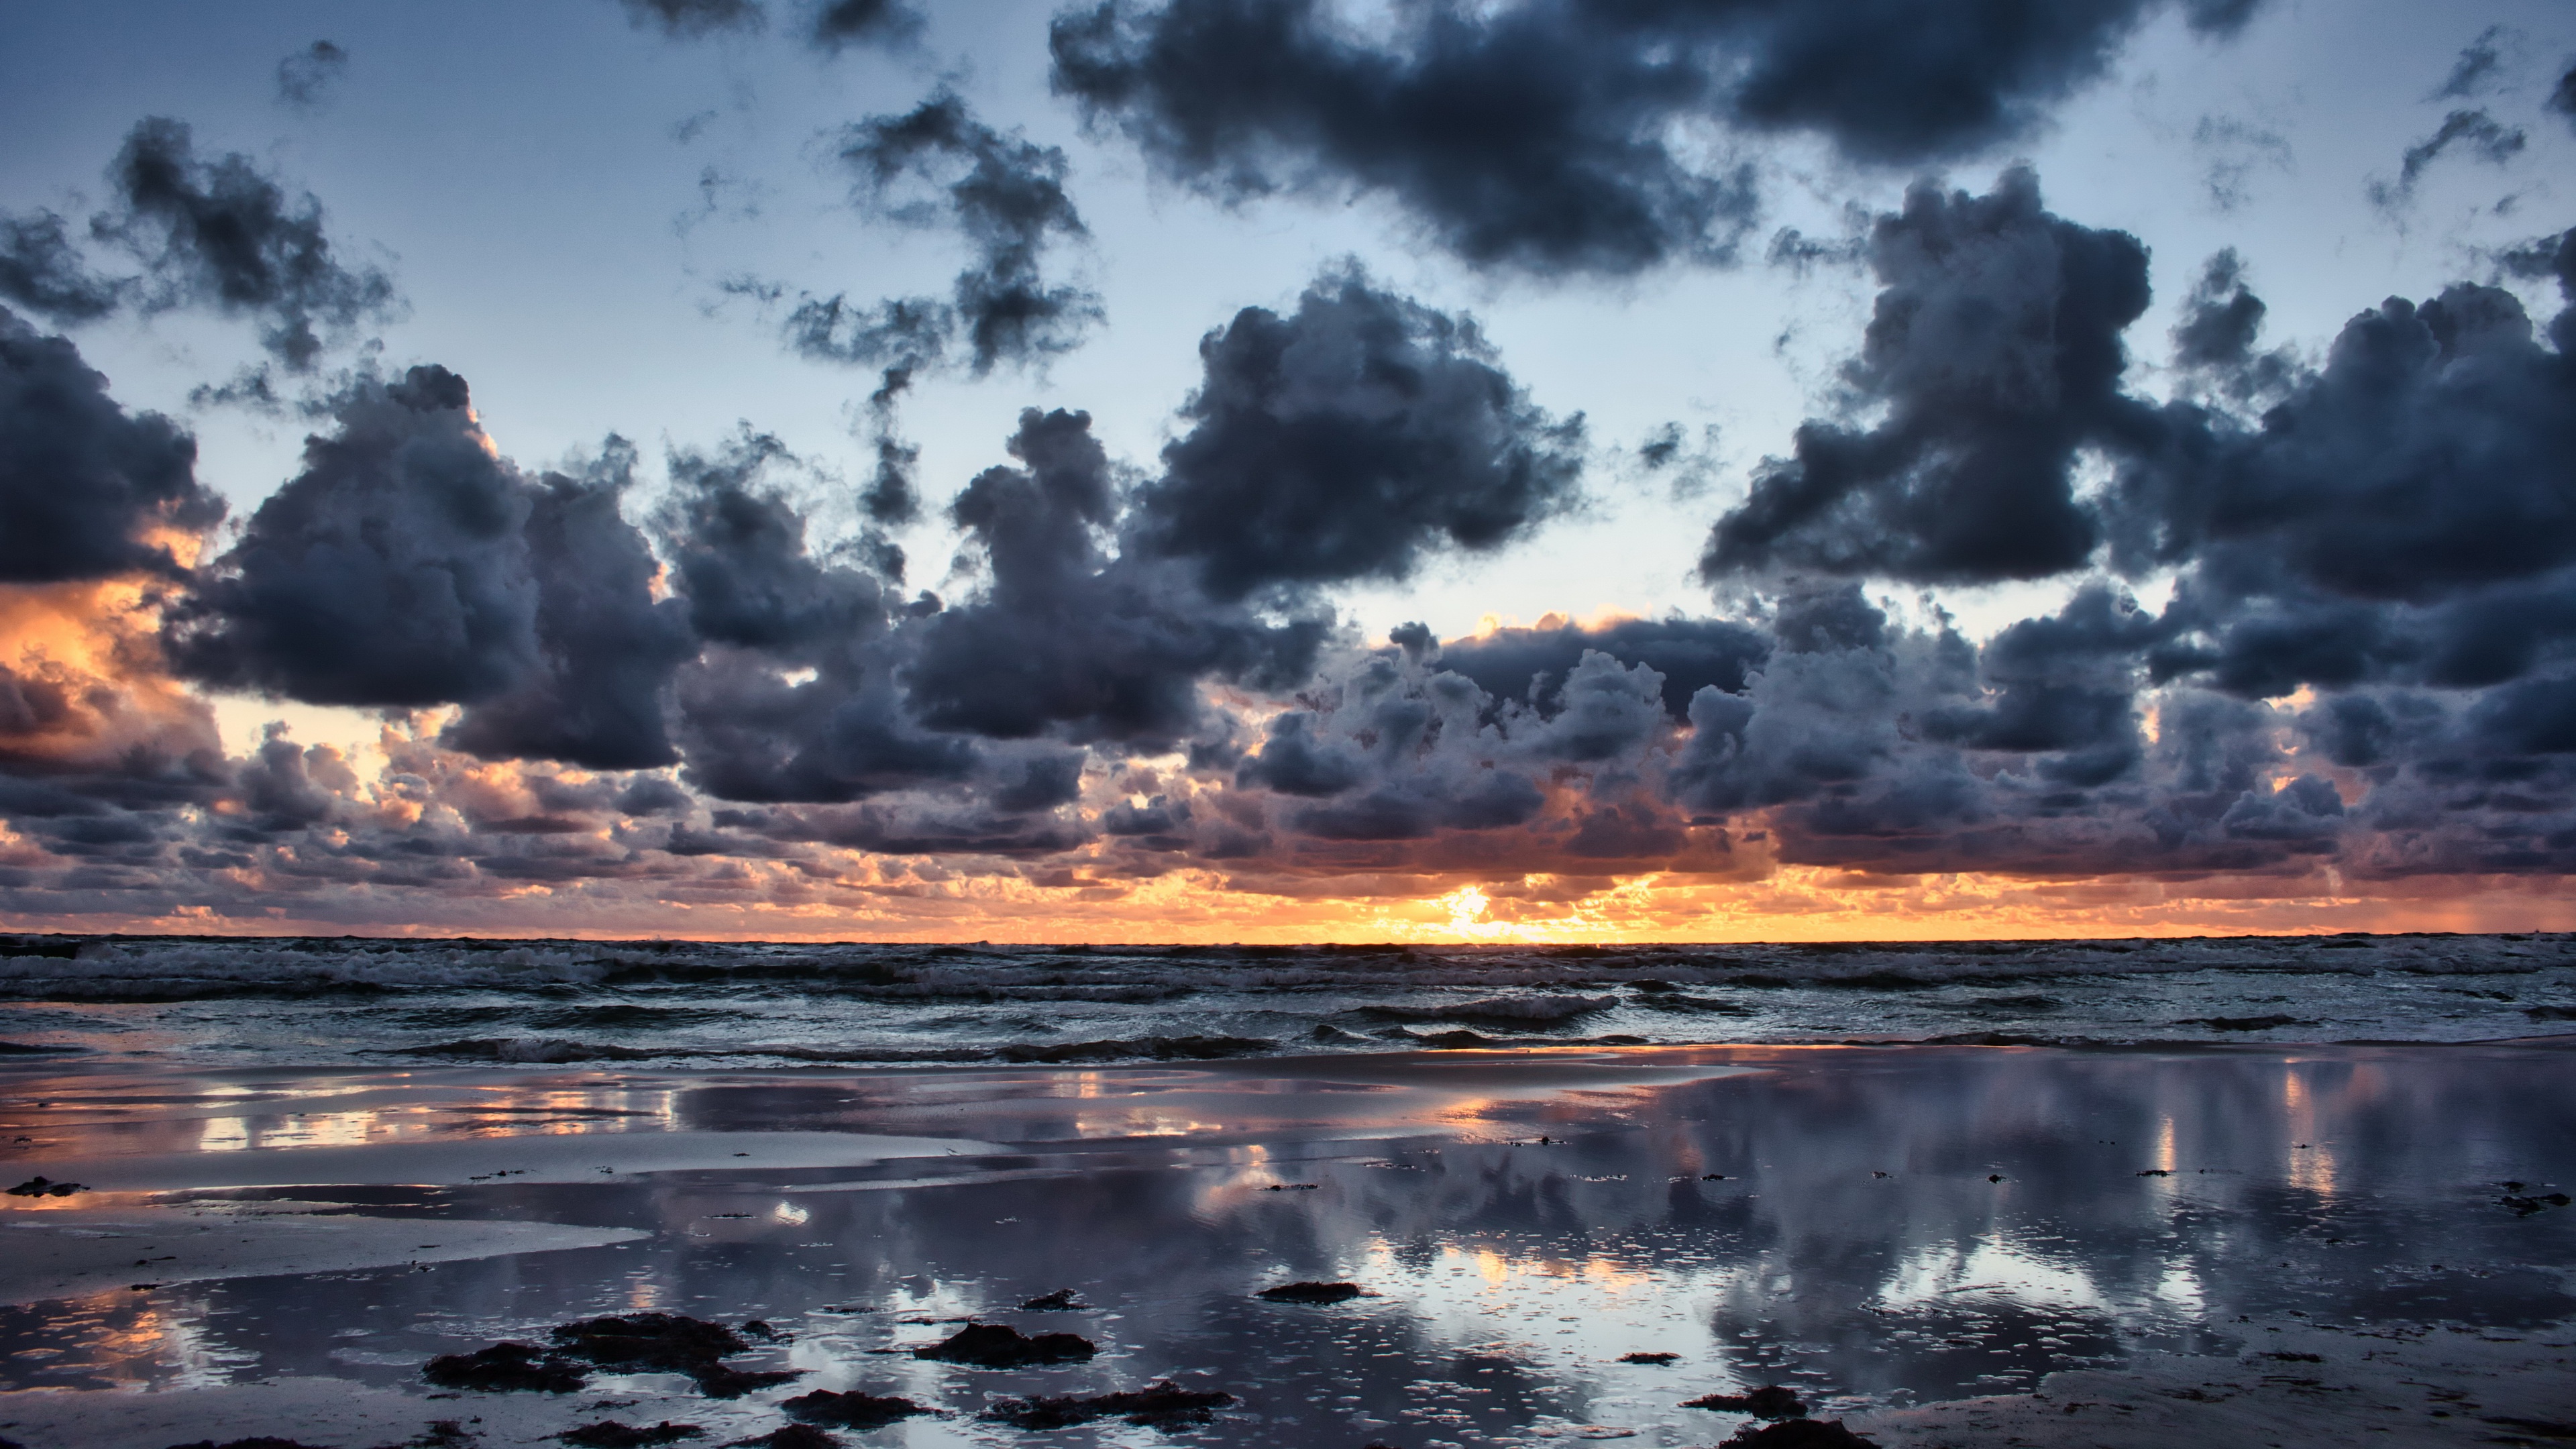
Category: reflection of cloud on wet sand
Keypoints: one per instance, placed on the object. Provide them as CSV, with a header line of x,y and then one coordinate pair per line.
x,y
1739,1221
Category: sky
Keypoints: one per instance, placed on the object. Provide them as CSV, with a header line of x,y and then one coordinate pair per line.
x,y
1276,470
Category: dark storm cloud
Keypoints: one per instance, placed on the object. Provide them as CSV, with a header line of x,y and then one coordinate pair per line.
x,y
795,699
41,271
1995,350
2473,131
938,166
829,25
605,649
2562,98
689,19
1347,440
839,23
226,235
892,496
2476,69
305,79
391,571
2213,342
83,483
409,565
1063,636
2429,456
1532,665
1552,136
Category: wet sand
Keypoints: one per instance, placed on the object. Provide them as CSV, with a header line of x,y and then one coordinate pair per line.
x,y
1939,1246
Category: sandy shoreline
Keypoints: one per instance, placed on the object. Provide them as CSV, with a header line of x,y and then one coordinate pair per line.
x,y
1940,1246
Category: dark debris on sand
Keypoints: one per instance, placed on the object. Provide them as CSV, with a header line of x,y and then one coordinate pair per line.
x,y
633,1343
506,1368
853,1410
1312,1293
1062,1300
2524,1207
791,1436
1798,1434
1159,1403
998,1345
1771,1401
42,1187
1653,1358
610,1434
262,1441
667,1343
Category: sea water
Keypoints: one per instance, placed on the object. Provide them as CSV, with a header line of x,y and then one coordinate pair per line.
x,y
358,1002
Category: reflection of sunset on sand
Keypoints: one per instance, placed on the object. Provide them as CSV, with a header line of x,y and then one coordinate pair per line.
x,y
1877,1227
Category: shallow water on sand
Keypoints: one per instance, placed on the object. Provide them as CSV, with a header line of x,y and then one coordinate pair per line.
x,y
1871,1226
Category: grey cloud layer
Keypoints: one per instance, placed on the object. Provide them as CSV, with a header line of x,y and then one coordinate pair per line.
x,y
222,234
2368,660
1554,136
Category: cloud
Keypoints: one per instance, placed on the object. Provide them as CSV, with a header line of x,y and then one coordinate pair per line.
x,y
840,23
225,235
2479,65
2562,97
794,698
1995,354
828,25
937,165
1532,665
87,489
1346,441
41,271
410,565
1571,136
2367,665
2482,135
693,19
305,79
1065,637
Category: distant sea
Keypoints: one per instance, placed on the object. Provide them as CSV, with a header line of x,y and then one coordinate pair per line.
x,y
675,1004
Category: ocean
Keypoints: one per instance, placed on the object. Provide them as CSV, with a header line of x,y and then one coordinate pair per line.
x,y
217,1002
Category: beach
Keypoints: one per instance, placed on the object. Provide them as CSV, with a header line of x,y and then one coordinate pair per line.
x,y
1935,1245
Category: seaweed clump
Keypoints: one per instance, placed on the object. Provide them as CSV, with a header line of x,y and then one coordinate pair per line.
x,y
610,1434
632,1342
1771,1401
1160,1403
1312,1293
998,1345
851,1410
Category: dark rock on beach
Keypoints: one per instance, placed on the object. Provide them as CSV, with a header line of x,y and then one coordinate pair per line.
x,y
1159,1403
261,1441
506,1368
633,1342
1798,1434
791,1436
2524,1207
1062,1300
851,1410
1312,1293
610,1434
1653,1358
1771,1401
667,1343
998,1345
42,1187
